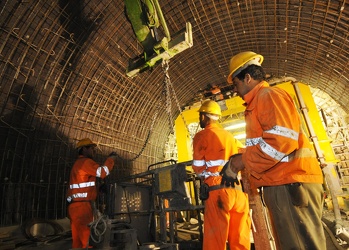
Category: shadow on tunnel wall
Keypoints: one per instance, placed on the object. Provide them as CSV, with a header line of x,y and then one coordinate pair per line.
x,y
34,166
77,29
36,161
35,156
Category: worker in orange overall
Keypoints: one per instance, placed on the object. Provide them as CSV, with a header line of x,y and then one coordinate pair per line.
x,y
226,216
82,191
279,157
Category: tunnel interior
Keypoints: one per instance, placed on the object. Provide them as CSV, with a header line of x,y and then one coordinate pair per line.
x,y
63,68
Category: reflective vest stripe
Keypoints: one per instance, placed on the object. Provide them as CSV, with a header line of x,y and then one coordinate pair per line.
x,y
285,132
82,185
207,174
269,150
266,148
199,163
209,164
252,141
99,171
79,195
212,163
215,163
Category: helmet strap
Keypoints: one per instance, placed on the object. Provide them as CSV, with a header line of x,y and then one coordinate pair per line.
x,y
212,117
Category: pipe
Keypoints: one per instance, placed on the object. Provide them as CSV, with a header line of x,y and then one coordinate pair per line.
x,y
312,133
162,19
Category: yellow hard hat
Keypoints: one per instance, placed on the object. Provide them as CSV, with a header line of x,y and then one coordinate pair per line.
x,y
241,61
210,107
85,142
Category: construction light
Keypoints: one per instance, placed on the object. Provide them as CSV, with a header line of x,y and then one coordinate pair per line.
x,y
236,126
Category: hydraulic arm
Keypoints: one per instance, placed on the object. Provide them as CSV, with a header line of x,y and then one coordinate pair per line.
x,y
146,19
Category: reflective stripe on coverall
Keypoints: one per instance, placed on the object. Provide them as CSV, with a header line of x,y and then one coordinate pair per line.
x,y
226,215
82,191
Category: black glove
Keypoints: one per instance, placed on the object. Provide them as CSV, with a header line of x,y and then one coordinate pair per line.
x,y
228,176
112,154
103,188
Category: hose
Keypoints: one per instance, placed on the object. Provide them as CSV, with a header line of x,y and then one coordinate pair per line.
x,y
98,229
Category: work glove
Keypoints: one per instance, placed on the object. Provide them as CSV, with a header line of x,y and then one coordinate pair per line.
x,y
228,176
113,155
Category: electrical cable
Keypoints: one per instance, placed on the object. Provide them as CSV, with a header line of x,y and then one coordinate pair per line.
x,y
99,226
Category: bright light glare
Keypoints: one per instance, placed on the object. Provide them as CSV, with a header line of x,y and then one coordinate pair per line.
x,y
235,126
240,136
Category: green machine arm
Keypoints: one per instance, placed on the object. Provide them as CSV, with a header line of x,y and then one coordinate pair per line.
x,y
146,17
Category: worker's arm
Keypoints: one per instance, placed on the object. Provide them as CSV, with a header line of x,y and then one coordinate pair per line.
x,y
94,169
279,121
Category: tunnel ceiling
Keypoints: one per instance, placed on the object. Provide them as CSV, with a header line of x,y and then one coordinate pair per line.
x,y
63,73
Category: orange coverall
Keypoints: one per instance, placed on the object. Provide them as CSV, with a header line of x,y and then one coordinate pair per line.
x,y
279,156
81,193
226,216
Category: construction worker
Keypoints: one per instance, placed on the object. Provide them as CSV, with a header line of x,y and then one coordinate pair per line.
x,y
226,215
82,191
278,158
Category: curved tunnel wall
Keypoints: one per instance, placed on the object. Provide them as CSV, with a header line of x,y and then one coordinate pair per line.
x,y
62,79
62,71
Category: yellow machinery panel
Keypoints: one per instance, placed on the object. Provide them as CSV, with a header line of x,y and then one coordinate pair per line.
x,y
183,139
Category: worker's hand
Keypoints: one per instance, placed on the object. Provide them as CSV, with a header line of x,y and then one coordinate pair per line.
x,y
229,177
235,163
113,155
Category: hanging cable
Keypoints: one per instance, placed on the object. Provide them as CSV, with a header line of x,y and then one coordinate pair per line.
x,y
167,83
168,89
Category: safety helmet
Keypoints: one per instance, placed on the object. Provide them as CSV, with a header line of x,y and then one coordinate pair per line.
x,y
85,142
210,107
240,62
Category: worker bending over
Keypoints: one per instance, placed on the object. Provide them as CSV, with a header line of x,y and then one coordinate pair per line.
x,y
82,191
278,157
226,213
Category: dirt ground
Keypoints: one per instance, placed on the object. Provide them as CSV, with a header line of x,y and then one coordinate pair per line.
x,y
13,237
